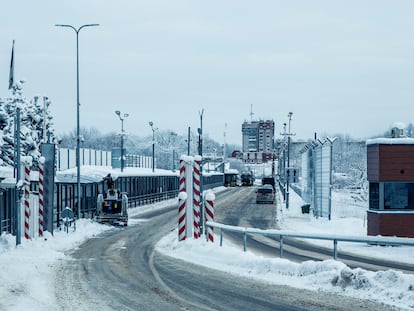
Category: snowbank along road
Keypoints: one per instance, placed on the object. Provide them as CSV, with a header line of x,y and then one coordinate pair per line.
x,y
119,270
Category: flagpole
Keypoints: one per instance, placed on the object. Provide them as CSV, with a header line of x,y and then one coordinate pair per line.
x,y
16,174
11,74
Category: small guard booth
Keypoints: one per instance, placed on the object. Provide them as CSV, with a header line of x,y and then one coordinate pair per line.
x,y
390,172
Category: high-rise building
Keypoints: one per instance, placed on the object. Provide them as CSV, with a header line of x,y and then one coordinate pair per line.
x,y
250,137
258,140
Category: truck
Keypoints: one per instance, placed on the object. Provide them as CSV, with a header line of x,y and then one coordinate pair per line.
x,y
269,181
112,207
247,178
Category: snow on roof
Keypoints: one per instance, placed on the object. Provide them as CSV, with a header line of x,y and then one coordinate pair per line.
x,y
391,141
211,173
6,171
400,125
231,171
90,173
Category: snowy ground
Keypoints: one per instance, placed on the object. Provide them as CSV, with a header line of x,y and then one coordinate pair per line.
x,y
26,279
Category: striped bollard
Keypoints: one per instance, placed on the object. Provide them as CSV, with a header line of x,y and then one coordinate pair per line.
x,y
182,199
196,197
26,200
41,163
182,176
210,197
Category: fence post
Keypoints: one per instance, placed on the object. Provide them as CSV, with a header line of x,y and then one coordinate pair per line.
x,y
335,249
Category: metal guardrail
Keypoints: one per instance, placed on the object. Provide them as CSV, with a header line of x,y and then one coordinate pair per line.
x,y
5,225
151,198
132,202
380,240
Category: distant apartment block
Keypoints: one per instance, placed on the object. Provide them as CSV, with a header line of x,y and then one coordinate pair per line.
x,y
258,141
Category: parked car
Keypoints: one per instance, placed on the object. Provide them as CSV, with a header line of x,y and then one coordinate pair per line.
x,y
265,194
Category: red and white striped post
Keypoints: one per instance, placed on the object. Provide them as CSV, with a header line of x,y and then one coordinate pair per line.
x,y
196,196
41,164
210,197
182,176
26,199
182,200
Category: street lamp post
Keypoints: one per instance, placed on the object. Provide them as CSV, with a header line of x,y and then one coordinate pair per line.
x,y
122,118
77,30
153,144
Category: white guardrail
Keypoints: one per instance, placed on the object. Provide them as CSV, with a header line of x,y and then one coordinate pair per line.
x,y
380,240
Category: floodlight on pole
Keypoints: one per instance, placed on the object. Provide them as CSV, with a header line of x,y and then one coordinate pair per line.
x,y
122,117
153,144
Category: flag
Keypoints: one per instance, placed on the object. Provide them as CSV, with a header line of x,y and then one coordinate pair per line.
x,y
11,74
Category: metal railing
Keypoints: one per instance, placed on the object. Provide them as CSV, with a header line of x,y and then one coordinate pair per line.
x,y
151,198
5,225
375,240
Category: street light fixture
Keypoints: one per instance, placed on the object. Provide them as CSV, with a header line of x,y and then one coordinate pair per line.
x,y
122,118
153,144
77,30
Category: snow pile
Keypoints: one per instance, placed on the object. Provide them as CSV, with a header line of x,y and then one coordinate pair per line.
x,y
389,287
27,277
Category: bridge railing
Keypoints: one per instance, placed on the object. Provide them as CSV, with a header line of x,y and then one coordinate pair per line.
x,y
151,198
281,234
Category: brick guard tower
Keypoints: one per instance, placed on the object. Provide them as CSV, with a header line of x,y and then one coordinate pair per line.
x,y
390,172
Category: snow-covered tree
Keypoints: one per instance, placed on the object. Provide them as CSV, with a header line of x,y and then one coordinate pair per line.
x,y
31,126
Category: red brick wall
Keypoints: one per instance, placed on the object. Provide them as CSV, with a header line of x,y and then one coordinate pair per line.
x,y
391,224
390,162
373,162
396,162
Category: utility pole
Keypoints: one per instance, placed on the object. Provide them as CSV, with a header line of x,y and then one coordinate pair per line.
x,y
200,152
287,136
46,103
188,142
172,141
288,160
224,144
283,170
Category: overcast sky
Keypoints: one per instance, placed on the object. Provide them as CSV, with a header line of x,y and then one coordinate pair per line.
x,y
339,66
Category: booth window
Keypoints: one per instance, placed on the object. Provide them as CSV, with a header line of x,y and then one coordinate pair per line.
x,y
398,195
374,195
